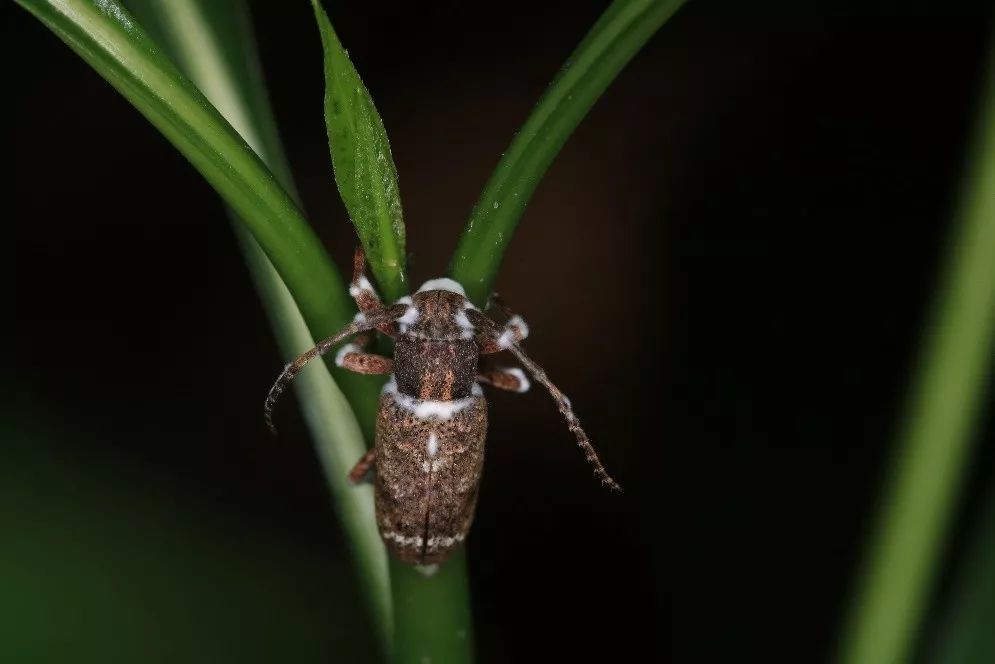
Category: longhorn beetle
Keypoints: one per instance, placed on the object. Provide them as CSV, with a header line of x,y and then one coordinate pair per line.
x,y
432,419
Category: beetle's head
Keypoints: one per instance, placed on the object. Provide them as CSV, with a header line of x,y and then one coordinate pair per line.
x,y
437,312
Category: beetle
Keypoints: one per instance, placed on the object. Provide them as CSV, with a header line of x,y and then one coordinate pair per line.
x,y
428,451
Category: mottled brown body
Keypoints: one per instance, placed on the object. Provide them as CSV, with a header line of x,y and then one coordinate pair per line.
x,y
430,433
432,421
425,502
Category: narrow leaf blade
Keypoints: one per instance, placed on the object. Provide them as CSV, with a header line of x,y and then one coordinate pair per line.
x,y
212,42
364,168
617,36
106,36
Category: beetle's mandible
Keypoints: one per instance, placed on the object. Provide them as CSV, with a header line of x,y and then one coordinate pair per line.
x,y
432,420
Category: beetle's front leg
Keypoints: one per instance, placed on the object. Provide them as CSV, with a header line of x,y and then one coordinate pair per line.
x,y
363,468
352,357
363,293
514,331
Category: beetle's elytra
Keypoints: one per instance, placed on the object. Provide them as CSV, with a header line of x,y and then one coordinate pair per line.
x,y
432,421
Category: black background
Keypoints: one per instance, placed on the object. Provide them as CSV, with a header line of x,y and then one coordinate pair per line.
x,y
728,269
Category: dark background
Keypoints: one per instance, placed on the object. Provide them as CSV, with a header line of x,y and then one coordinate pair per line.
x,y
727,268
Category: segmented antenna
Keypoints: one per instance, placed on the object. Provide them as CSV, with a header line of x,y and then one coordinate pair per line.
x,y
361,323
568,413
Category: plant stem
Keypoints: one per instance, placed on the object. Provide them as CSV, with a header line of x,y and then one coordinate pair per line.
x,y
616,37
934,444
214,46
431,613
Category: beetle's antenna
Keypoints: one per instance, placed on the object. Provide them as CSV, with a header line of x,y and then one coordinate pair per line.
x,y
360,323
564,405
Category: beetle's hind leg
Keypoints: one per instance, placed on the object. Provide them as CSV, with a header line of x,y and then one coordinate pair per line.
x,y
352,357
364,468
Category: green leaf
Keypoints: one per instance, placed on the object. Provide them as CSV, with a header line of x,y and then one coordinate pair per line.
x,y
617,36
105,35
934,444
965,634
212,42
364,169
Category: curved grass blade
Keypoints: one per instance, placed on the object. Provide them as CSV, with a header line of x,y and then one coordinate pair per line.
x,y
105,35
616,37
364,169
212,43
934,444
965,634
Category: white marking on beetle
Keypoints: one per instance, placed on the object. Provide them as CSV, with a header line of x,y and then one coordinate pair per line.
x,y
405,300
410,317
432,446
359,318
345,350
439,540
403,540
363,285
476,390
506,339
424,409
523,382
515,327
443,283
469,305
468,330
517,321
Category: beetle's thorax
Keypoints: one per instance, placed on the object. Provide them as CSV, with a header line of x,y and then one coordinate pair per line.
x,y
435,357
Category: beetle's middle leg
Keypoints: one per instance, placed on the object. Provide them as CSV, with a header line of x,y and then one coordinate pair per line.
x,y
354,358
505,378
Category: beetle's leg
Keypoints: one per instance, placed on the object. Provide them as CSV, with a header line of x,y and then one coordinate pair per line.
x,y
495,338
490,335
361,323
505,378
352,357
363,468
363,292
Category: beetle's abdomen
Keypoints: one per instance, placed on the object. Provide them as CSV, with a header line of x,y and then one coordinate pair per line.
x,y
429,458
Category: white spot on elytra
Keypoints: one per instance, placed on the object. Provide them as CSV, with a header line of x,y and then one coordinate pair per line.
x,y
523,382
359,318
445,284
435,542
405,300
424,409
432,446
345,350
413,540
